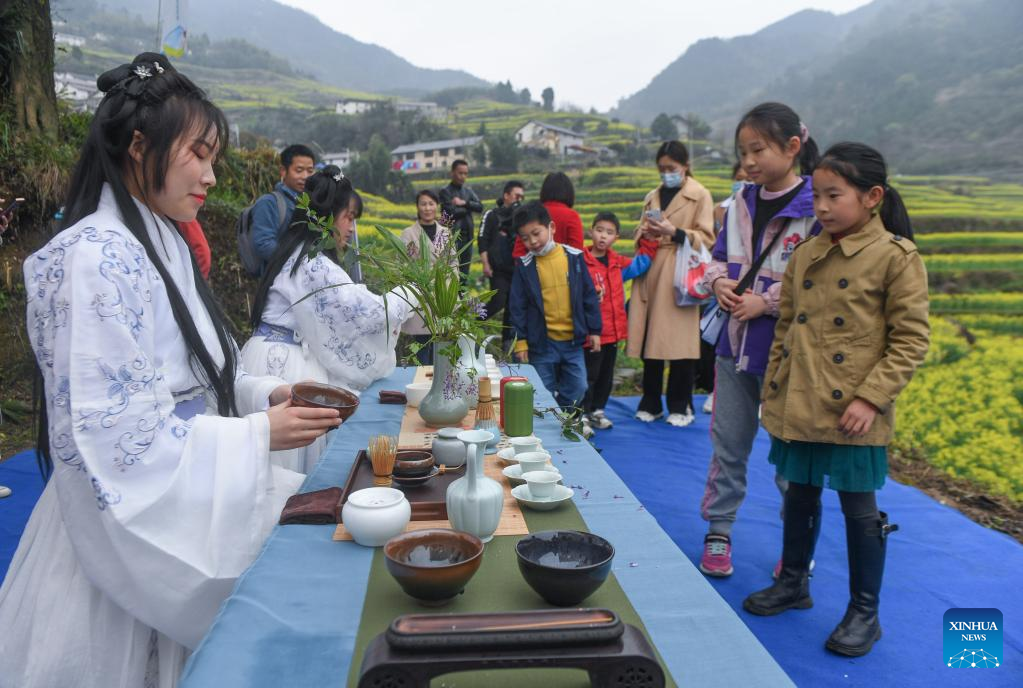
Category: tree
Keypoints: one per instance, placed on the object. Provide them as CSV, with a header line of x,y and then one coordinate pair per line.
x,y
548,99
482,131
479,154
26,65
504,152
372,172
698,127
525,97
663,128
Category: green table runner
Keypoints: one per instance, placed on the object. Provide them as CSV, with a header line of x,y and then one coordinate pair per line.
x,y
497,586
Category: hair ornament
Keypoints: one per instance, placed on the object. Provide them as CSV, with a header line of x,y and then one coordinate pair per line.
x,y
339,176
159,68
142,72
804,133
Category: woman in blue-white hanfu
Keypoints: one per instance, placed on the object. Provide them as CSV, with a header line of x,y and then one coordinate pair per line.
x,y
162,491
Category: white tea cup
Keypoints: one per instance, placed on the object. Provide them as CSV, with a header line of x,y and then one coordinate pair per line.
x,y
525,444
541,483
532,461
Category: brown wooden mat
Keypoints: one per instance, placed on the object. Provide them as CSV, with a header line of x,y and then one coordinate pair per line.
x,y
511,523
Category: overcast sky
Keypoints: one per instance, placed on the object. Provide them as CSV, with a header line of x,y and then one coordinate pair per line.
x,y
591,52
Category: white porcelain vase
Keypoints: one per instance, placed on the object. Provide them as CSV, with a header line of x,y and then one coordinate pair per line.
x,y
475,501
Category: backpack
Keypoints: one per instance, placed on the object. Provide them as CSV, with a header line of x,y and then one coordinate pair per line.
x,y
251,261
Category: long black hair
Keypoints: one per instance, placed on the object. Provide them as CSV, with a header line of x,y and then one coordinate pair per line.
x,y
864,168
151,97
779,123
330,193
676,150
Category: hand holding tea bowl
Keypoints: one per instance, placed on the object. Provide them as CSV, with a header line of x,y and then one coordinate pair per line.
x,y
434,565
320,395
564,566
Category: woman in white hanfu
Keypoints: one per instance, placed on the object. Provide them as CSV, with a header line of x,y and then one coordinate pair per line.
x,y
162,491
310,320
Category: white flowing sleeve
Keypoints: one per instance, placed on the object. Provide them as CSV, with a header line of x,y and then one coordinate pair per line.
x,y
163,514
350,330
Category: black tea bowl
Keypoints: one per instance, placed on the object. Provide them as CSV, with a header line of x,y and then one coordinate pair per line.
x,y
564,566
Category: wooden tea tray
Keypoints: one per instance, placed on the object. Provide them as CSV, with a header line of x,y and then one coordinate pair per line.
x,y
429,509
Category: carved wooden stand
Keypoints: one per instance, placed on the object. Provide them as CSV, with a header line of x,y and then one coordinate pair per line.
x,y
625,661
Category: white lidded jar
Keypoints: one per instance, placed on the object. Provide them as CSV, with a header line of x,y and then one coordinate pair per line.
x,y
374,515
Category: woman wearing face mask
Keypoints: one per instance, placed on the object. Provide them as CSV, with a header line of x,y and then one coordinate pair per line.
x,y
659,330
343,335
438,238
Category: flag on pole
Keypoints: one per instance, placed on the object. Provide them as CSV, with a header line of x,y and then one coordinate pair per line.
x,y
174,41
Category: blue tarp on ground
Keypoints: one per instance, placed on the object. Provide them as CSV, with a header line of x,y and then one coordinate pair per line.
x,y
938,559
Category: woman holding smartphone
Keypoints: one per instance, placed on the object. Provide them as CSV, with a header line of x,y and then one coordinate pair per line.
x,y
659,330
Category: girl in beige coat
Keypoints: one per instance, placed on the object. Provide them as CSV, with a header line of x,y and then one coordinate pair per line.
x,y
659,330
852,328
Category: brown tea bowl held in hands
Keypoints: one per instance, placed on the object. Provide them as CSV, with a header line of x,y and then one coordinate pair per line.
x,y
413,463
319,395
433,565
564,566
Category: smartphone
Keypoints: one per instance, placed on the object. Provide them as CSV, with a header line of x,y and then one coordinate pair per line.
x,y
9,210
653,213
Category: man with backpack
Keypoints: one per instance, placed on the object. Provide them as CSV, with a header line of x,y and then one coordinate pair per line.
x,y
262,223
495,243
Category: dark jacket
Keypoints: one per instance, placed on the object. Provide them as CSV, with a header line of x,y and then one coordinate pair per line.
x,y
525,303
496,238
461,216
266,225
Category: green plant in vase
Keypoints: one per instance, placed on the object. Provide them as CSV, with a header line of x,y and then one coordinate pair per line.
x,y
430,283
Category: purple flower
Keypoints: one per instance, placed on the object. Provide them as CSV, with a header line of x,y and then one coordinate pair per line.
x,y
477,307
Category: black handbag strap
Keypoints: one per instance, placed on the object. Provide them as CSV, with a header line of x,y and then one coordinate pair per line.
x,y
748,278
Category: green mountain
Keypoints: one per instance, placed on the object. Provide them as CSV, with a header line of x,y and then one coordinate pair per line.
x,y
290,34
935,84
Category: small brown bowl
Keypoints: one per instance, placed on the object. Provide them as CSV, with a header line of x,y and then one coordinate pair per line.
x,y
413,463
433,565
318,395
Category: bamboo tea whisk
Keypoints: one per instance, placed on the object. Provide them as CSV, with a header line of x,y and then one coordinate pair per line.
x,y
382,451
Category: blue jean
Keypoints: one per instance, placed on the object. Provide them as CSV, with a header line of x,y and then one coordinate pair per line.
x,y
562,368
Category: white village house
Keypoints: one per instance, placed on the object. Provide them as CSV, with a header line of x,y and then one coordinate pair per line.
x,y
432,155
357,106
558,140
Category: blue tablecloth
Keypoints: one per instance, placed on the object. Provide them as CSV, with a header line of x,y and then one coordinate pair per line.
x,y
294,615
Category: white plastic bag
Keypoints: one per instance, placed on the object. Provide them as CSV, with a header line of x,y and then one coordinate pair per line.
x,y
690,265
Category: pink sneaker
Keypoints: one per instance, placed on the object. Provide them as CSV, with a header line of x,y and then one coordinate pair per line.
x,y
717,555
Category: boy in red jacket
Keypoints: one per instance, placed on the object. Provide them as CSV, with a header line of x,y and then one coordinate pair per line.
x,y
609,271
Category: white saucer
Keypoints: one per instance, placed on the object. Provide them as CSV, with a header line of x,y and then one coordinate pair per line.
x,y
507,456
524,498
514,473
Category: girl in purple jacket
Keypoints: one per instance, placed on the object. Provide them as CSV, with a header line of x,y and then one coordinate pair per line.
x,y
773,213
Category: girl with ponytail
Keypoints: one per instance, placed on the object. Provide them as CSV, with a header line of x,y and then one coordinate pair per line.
x,y
156,444
344,334
852,329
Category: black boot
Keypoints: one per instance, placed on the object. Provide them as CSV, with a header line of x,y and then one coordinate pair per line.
x,y
791,590
860,627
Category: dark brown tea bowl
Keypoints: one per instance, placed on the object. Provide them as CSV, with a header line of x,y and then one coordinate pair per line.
x,y
564,566
319,395
413,463
433,565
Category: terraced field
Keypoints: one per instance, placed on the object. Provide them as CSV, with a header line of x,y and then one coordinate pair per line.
x,y
964,410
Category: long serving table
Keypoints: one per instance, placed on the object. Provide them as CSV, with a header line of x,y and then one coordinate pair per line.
x,y
294,617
